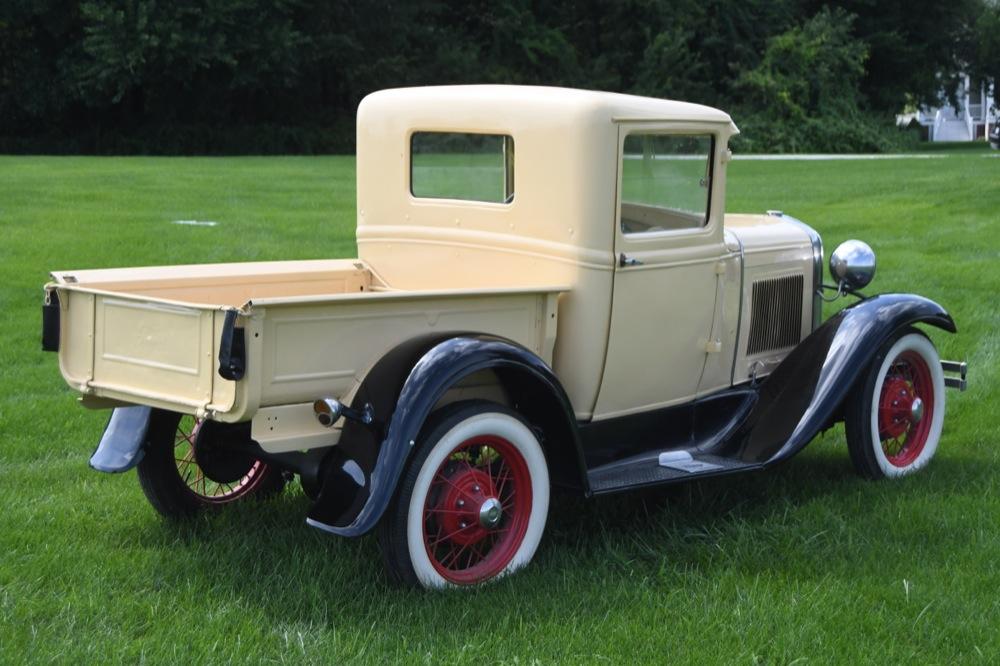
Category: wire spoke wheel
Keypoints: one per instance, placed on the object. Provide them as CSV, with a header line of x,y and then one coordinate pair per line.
x,y
190,464
907,396
895,414
473,503
477,511
212,491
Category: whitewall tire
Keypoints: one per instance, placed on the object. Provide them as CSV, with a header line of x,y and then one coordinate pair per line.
x,y
473,504
895,416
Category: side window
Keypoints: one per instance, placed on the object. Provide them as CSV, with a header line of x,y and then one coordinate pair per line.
x,y
454,165
666,182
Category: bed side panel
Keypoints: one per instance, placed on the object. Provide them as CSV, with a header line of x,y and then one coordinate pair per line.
x,y
311,350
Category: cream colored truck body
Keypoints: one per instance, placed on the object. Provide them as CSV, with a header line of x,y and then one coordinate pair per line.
x,y
543,269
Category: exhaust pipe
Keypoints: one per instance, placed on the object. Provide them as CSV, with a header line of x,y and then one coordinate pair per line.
x,y
329,410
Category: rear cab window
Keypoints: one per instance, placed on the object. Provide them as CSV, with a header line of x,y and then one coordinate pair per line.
x,y
462,166
666,182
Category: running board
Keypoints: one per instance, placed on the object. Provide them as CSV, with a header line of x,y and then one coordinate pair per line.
x,y
656,468
955,367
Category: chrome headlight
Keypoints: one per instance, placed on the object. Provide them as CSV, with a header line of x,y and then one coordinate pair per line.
x,y
852,264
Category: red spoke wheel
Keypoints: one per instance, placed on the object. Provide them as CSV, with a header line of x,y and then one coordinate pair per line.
x,y
473,504
210,476
894,420
190,464
907,395
477,511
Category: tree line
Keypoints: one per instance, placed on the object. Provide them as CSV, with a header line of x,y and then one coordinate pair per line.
x,y
280,76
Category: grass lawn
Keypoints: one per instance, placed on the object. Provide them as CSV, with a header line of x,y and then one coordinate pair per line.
x,y
806,562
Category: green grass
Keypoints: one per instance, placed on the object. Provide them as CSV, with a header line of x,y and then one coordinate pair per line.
x,y
806,562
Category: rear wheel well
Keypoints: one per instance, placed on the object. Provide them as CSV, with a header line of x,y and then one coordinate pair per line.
x,y
482,385
531,397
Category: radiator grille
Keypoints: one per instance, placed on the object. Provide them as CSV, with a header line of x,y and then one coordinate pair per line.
x,y
775,314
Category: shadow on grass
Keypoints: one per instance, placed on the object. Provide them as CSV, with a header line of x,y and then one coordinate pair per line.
x,y
776,521
963,147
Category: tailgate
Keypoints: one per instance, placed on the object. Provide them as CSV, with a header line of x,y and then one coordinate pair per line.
x,y
144,351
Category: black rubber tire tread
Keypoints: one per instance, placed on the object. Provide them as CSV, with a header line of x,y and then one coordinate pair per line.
x,y
858,410
391,530
162,484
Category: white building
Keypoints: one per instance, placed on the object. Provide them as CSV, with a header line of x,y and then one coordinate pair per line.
x,y
972,120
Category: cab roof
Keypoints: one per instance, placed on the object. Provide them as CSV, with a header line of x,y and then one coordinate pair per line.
x,y
542,100
567,148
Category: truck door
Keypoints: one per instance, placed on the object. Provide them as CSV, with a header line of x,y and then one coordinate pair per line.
x,y
669,243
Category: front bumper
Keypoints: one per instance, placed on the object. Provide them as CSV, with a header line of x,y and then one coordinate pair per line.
x,y
951,369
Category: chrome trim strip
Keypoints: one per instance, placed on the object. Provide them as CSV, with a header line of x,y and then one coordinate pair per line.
x,y
739,315
817,248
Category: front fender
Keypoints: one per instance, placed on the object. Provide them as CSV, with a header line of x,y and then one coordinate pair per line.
x,y
440,367
807,389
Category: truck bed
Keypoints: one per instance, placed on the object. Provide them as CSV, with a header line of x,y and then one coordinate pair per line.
x,y
310,329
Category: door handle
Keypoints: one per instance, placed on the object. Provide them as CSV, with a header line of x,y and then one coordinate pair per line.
x,y
625,262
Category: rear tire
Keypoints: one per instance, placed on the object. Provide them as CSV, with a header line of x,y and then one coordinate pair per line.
x,y
894,417
473,503
178,487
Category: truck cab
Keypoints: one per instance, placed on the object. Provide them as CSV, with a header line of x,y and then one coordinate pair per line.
x,y
621,197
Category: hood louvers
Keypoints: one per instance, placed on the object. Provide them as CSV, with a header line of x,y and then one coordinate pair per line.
x,y
776,314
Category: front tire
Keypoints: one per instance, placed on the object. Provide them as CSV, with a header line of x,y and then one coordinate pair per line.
x,y
894,418
473,504
177,485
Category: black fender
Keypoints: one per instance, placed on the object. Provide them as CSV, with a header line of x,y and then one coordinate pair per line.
x,y
122,445
406,384
805,392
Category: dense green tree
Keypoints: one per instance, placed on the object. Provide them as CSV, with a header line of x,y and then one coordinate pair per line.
x,y
981,48
804,94
186,60
37,39
287,75
913,47
809,70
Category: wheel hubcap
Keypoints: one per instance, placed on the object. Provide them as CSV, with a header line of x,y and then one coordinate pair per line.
x,y
465,509
490,513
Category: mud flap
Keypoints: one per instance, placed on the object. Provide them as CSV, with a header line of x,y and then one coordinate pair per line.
x,y
121,446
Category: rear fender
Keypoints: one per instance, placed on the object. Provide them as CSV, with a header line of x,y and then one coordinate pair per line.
x,y
805,392
122,444
408,388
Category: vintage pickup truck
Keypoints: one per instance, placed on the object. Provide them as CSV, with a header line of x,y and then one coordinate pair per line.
x,y
547,293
